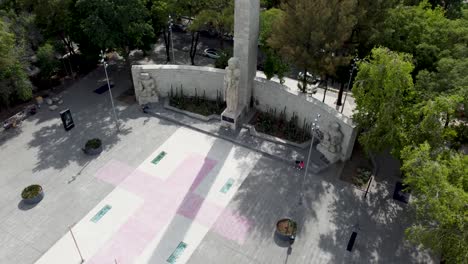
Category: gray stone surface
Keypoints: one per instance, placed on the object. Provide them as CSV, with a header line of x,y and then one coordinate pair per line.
x,y
246,29
40,151
331,211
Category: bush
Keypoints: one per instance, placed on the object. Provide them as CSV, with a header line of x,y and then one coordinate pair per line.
x,y
93,143
31,191
197,104
362,177
222,61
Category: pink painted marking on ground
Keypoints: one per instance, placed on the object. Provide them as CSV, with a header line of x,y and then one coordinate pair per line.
x,y
197,208
232,226
114,172
161,202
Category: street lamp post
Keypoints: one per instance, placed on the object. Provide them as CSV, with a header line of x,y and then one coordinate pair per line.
x,y
314,127
104,63
172,40
351,72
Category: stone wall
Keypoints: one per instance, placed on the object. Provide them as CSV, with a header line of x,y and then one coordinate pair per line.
x,y
267,94
270,95
206,79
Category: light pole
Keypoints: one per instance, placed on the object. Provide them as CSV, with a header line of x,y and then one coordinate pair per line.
x,y
104,63
351,72
172,40
314,127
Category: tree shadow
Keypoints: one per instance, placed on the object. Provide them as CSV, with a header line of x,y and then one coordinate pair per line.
x,y
219,152
6,135
379,222
93,118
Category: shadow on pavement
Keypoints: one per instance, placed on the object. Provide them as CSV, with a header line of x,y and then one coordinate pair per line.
x,y
25,207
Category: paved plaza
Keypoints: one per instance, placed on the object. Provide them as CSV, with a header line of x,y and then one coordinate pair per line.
x,y
164,193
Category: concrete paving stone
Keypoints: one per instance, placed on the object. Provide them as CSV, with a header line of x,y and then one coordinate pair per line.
x,y
42,152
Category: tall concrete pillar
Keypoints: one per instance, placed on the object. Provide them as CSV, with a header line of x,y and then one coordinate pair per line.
x,y
246,29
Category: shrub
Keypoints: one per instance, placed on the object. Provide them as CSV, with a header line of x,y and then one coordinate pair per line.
x,y
93,143
362,177
31,191
197,104
277,125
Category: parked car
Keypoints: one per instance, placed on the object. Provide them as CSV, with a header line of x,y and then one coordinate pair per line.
x,y
212,53
310,78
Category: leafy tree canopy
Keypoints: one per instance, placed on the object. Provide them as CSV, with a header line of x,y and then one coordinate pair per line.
x,y
14,81
314,42
119,24
384,91
439,182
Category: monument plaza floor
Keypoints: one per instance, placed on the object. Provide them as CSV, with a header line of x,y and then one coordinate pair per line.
x,y
161,193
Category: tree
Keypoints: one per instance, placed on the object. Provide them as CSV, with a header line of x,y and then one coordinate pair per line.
x,y
439,182
267,19
123,25
370,14
314,42
274,63
453,8
160,11
417,30
14,81
270,3
47,60
54,18
219,15
384,93
191,9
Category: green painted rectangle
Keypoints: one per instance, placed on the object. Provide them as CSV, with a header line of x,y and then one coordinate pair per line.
x,y
159,157
177,253
227,185
101,213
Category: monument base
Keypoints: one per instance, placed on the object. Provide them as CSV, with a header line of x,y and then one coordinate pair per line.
x,y
331,157
230,119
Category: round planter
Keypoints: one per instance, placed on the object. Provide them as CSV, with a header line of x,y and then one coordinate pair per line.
x,y
93,147
286,229
93,151
36,199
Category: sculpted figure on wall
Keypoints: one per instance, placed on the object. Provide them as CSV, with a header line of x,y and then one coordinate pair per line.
x,y
332,138
148,91
231,85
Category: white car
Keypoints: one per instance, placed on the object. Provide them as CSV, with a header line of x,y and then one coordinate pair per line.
x,y
309,77
211,53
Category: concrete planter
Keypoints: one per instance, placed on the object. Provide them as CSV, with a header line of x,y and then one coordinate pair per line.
x,y
286,229
255,133
35,198
193,115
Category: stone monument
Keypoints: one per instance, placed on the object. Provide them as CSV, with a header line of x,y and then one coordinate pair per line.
x,y
330,146
146,90
231,114
231,85
246,29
